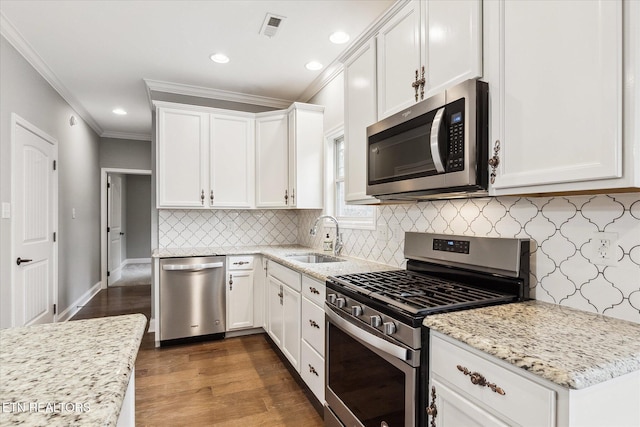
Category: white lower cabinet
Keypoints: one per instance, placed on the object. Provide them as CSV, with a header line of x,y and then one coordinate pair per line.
x,y
284,308
313,333
471,388
240,292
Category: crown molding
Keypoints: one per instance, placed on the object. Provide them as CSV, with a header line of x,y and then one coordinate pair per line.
x,y
13,36
203,92
126,135
336,67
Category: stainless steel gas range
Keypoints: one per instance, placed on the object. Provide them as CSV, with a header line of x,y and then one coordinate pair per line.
x,y
376,354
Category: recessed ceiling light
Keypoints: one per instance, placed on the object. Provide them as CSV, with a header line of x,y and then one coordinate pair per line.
x,y
220,58
119,111
339,37
313,65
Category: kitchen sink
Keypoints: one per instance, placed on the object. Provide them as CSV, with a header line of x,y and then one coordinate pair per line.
x,y
312,258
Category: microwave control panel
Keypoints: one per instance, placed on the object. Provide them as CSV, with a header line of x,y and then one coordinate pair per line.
x,y
455,155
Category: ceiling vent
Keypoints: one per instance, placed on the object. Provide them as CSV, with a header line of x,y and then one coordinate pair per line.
x,y
271,24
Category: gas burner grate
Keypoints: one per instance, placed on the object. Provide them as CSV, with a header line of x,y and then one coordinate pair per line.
x,y
419,293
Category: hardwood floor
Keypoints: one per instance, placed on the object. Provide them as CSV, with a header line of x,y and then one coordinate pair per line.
x,y
233,382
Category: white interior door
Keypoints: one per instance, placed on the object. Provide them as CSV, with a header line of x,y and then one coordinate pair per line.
x,y
35,201
114,225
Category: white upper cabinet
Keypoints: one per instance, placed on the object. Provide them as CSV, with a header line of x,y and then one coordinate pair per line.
x,y
426,47
272,160
360,112
232,157
306,156
183,150
210,158
205,160
556,72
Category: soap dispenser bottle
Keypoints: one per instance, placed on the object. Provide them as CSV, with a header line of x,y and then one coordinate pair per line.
x,y
327,245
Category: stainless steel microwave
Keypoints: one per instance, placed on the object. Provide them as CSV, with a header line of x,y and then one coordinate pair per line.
x,y
435,149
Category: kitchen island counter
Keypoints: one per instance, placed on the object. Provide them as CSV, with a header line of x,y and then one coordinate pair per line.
x,y
572,348
72,373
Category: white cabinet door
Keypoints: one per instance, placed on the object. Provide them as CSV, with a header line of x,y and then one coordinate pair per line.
x,y
275,313
398,49
555,75
306,156
452,43
453,410
272,160
291,322
232,162
182,168
239,299
360,112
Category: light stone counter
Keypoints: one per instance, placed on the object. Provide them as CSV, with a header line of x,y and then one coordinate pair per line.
x,y
569,347
319,271
68,374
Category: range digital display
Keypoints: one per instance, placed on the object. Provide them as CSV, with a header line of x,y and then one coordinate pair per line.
x,y
446,245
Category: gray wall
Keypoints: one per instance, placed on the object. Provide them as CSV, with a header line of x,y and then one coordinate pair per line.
x,y
138,216
27,94
125,154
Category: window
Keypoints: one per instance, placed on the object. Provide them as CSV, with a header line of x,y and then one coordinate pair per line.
x,y
350,216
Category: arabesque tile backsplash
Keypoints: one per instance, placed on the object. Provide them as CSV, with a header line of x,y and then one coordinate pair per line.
x,y
561,230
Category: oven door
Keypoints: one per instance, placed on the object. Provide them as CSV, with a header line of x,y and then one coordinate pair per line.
x,y
370,380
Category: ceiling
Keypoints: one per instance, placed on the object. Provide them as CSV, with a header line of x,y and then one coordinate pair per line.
x,y
97,54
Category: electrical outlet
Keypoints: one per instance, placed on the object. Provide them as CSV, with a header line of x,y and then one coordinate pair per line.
x,y
383,233
603,247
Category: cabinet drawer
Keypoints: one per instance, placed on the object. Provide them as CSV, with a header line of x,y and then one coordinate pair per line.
x,y
524,402
313,290
286,275
244,262
312,371
313,325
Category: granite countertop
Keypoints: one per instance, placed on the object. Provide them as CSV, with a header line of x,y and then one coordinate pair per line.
x,y
71,373
319,271
573,348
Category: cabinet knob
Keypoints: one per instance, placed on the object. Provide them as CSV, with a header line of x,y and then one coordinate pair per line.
x,y
211,198
230,282
494,161
202,197
286,197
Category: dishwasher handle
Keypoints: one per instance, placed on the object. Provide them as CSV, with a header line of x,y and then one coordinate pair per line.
x,y
192,267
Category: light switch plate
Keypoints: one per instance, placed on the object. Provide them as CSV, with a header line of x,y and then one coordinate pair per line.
x,y
6,210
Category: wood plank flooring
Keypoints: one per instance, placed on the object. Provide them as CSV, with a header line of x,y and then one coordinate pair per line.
x,y
233,382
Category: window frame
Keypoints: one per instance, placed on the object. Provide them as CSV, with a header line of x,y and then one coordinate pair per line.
x,y
331,202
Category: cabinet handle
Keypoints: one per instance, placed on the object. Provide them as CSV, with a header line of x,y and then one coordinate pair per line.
x,y
230,282
422,82
419,84
313,370
211,198
314,324
479,379
281,295
432,409
286,197
293,196
494,161
241,263
202,197
314,290
20,260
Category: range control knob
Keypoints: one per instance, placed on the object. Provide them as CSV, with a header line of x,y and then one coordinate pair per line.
x,y
340,302
331,298
356,310
389,328
375,321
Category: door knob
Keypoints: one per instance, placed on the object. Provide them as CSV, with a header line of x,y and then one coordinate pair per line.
x,y
20,260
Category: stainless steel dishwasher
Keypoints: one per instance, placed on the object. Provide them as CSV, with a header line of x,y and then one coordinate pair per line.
x,y
192,298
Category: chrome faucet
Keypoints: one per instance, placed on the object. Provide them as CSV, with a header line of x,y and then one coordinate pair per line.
x,y
337,246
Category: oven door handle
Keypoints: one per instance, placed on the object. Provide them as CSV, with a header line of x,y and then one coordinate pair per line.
x,y
382,345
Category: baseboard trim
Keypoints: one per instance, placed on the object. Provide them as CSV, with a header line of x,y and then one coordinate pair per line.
x,y
152,325
136,261
79,303
243,332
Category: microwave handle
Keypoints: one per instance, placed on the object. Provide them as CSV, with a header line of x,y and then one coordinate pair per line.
x,y
435,146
